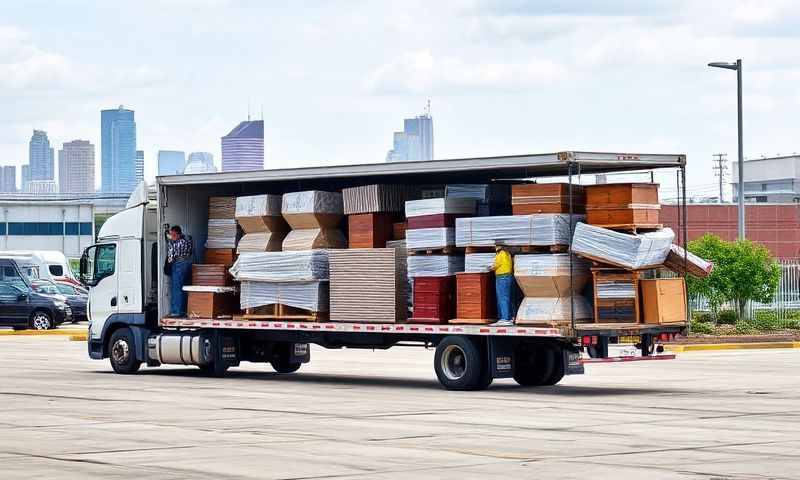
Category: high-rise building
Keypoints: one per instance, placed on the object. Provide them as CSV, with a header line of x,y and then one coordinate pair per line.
x,y
26,177
171,162
9,179
415,142
117,150
243,147
41,186
76,167
40,157
139,165
200,162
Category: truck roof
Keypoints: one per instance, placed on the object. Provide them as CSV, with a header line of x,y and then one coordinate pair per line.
x,y
462,170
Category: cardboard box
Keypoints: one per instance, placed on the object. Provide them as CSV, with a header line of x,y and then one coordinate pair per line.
x,y
663,300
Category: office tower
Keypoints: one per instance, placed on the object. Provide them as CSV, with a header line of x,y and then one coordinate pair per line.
x,y
117,150
10,178
200,162
243,147
40,157
41,186
26,177
139,165
415,142
171,162
76,167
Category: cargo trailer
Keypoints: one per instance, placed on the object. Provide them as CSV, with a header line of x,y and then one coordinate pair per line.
x,y
129,294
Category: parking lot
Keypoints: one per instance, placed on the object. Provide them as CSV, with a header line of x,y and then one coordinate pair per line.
x,y
364,414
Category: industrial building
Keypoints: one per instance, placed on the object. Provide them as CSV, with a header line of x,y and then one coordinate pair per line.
x,y
63,225
769,180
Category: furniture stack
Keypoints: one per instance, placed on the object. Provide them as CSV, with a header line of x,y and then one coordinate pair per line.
x,y
491,199
367,285
433,280
259,217
630,206
538,230
296,279
431,222
211,293
400,247
223,232
314,217
552,289
372,211
530,198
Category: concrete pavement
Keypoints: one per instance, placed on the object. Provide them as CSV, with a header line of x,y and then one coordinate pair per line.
x,y
380,415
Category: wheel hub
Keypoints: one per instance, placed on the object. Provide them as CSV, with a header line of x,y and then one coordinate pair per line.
x,y
41,322
454,362
120,351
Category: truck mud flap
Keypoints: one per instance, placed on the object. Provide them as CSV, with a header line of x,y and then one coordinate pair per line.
x,y
299,353
573,361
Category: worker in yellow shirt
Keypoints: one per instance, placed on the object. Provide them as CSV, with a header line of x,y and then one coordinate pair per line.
x,y
504,282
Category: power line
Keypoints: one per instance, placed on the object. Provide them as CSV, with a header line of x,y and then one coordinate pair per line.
x,y
720,169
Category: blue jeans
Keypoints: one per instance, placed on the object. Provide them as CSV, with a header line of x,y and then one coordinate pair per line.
x,y
503,285
181,272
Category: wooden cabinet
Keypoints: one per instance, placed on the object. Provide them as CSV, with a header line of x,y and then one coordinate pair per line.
x,y
623,205
529,198
616,295
369,230
663,300
210,274
434,299
211,304
475,294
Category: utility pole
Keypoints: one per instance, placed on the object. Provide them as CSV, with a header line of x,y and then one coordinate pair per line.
x,y
720,169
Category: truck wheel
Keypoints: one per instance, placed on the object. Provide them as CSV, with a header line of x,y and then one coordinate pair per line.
x,y
533,364
214,369
121,352
280,359
41,320
558,370
460,364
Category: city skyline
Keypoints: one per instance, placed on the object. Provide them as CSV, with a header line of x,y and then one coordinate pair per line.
x,y
40,156
76,167
415,142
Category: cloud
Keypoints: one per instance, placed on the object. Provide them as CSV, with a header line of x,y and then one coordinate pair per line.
x,y
422,72
23,66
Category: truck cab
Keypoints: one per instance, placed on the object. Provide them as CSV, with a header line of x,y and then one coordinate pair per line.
x,y
119,271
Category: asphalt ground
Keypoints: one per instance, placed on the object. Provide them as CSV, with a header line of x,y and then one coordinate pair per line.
x,y
378,415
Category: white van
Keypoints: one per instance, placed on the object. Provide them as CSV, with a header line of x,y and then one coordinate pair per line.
x,y
53,265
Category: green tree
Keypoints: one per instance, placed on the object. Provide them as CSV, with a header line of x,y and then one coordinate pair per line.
x,y
743,271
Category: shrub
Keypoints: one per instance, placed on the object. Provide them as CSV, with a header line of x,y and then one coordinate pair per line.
x,y
744,328
764,321
704,328
727,317
702,317
791,324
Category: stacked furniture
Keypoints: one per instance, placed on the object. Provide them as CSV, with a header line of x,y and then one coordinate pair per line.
x,y
552,291
433,280
222,229
658,300
367,285
539,230
682,262
314,217
431,222
400,247
291,284
623,205
475,294
529,198
616,295
259,217
491,199
371,213
213,274
207,301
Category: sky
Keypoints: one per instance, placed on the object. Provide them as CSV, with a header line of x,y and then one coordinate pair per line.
x,y
336,78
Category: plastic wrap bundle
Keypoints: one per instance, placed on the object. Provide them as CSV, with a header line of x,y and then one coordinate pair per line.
x,y
377,198
312,209
621,249
693,265
222,233
537,229
281,266
435,206
314,238
548,275
435,265
478,262
312,295
616,289
259,217
261,242
553,311
430,238
493,199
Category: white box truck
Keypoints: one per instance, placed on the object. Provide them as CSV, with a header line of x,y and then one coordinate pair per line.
x,y
129,295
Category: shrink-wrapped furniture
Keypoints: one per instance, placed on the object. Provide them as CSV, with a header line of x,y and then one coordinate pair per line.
x,y
259,217
553,311
515,230
314,217
491,199
435,265
682,262
624,250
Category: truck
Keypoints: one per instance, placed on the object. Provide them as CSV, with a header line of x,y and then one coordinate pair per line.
x,y
129,294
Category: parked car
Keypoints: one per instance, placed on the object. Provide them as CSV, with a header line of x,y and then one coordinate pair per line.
x,y
23,307
77,297
50,264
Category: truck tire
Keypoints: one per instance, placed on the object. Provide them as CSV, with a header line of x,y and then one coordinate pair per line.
x,y
214,369
280,359
460,364
558,370
533,364
121,352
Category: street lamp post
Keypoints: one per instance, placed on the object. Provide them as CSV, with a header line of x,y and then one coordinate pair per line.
x,y
738,67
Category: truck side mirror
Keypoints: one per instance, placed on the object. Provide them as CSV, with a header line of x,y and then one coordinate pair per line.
x,y
85,275
22,296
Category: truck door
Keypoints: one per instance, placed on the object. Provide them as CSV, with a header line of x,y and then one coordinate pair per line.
x,y
129,279
101,275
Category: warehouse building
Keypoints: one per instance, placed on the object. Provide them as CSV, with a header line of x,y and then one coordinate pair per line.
x,y
63,225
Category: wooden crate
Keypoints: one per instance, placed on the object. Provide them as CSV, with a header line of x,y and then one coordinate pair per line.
x,y
369,230
211,304
279,311
211,275
663,300
615,309
221,256
530,198
623,205
434,299
475,296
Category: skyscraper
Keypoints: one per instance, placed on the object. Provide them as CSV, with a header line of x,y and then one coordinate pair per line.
x,y
139,165
117,150
200,162
76,167
9,179
243,148
26,177
40,157
171,162
415,142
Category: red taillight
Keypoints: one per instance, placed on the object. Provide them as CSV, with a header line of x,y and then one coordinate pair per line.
x,y
586,340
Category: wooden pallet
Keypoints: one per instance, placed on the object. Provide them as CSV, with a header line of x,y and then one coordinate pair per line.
x,y
471,321
470,250
633,227
284,312
437,251
544,249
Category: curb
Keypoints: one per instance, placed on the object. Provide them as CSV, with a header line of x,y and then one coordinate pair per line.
x,y
36,333
730,346
78,338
